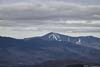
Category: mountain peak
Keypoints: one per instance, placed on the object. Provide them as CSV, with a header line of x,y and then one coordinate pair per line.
x,y
53,36
53,33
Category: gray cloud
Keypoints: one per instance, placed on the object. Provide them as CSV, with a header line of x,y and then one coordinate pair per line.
x,y
67,26
49,11
39,23
21,18
75,1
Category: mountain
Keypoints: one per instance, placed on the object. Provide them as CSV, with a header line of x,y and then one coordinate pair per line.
x,y
55,37
89,41
50,47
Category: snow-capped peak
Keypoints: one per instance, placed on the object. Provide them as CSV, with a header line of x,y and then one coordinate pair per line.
x,y
53,36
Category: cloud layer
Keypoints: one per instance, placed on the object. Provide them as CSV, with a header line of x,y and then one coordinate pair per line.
x,y
23,18
53,10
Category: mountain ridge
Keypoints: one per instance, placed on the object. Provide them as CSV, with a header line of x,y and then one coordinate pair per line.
x,y
46,34
44,48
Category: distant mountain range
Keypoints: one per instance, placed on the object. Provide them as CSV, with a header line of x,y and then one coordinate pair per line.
x,y
50,47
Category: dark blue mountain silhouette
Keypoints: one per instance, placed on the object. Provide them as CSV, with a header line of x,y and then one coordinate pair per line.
x,y
52,46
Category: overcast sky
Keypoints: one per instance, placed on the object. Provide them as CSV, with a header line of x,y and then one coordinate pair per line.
x,y
28,18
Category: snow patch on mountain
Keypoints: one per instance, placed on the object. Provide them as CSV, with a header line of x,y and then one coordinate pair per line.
x,y
79,41
54,36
